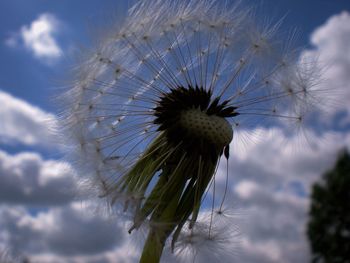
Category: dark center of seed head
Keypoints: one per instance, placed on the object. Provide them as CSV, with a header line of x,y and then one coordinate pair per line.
x,y
190,116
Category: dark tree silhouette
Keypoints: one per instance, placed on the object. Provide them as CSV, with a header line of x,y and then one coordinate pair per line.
x,y
329,225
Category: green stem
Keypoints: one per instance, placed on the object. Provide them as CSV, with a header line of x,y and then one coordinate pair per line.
x,y
158,234
153,248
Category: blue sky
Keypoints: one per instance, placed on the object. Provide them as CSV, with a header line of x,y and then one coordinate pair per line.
x,y
78,17
32,205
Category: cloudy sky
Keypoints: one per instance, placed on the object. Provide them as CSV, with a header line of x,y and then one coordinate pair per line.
x,y
41,216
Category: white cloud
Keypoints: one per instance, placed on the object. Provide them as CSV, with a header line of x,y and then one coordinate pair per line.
x,y
246,188
27,179
271,181
38,37
24,123
37,202
61,234
272,225
331,43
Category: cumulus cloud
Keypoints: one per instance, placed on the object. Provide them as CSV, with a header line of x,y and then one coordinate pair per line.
x,y
269,187
61,234
271,181
40,218
331,47
24,123
28,179
38,37
280,159
262,180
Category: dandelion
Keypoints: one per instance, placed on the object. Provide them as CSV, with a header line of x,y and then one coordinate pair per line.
x,y
157,102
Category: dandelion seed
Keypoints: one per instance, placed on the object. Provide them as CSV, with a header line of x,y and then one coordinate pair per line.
x,y
157,104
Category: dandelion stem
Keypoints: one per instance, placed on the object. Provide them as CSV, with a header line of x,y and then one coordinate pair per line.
x,y
153,248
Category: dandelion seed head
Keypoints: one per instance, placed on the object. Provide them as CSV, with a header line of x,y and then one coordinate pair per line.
x,y
160,98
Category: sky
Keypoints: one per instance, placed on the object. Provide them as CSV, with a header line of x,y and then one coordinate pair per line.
x,y
42,218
